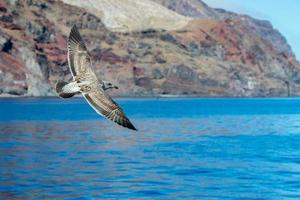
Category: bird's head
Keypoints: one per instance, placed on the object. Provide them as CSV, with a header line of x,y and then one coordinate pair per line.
x,y
108,85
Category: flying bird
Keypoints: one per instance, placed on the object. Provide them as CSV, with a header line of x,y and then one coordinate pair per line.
x,y
86,82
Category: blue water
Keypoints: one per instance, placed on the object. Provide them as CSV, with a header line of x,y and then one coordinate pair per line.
x,y
185,148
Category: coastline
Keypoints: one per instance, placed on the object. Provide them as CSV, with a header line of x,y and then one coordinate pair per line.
x,y
156,97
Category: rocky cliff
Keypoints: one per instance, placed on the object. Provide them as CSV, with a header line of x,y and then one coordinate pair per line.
x,y
147,47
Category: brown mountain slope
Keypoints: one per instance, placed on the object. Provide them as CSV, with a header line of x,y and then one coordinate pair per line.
x,y
209,56
191,8
132,15
198,9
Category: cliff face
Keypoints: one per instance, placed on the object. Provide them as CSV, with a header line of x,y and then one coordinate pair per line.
x,y
198,9
207,52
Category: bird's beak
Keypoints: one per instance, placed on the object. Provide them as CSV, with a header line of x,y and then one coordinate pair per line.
x,y
116,87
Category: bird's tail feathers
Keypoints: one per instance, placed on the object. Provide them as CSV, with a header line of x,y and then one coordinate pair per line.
x,y
62,92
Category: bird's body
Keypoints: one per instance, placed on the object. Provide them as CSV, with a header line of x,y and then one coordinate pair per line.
x,y
66,90
86,82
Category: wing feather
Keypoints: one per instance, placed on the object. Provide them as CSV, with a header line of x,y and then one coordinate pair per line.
x,y
78,57
108,108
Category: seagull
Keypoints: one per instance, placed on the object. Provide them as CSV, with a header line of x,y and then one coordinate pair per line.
x,y
86,82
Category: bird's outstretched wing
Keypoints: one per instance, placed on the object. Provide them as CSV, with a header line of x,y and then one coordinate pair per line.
x,y
108,108
78,57
80,66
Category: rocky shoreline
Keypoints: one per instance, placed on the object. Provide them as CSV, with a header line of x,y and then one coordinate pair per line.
x,y
215,54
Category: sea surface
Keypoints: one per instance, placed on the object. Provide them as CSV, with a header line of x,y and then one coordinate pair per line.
x,y
184,149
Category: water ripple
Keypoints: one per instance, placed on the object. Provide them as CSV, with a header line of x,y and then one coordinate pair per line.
x,y
210,154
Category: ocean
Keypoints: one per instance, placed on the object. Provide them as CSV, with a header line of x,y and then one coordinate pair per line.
x,y
185,149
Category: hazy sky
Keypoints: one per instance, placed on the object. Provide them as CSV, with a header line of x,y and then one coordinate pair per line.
x,y
283,14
